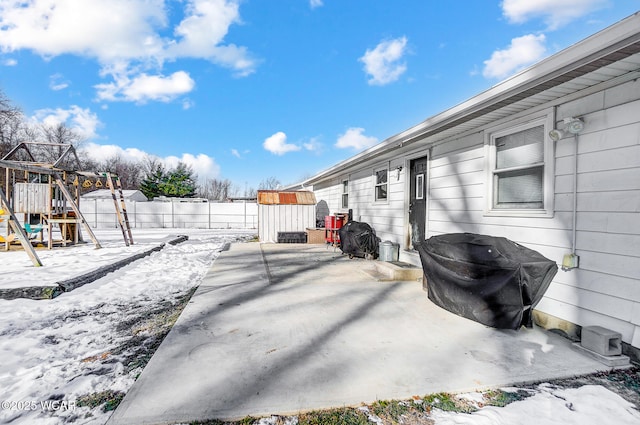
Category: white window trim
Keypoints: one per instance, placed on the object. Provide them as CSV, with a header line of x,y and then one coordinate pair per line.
x,y
419,184
549,168
345,191
375,184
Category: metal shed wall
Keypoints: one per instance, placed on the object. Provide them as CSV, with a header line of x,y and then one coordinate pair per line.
x,y
284,212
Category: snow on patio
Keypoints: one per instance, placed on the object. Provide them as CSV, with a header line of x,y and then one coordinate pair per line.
x,y
63,358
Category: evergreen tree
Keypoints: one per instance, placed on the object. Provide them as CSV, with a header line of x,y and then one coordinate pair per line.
x,y
151,184
179,183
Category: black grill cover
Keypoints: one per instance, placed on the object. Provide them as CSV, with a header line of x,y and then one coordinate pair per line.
x,y
491,280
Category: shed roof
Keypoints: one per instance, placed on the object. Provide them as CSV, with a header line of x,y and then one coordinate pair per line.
x,y
275,197
608,57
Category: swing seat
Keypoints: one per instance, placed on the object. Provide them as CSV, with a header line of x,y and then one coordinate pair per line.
x,y
7,239
32,231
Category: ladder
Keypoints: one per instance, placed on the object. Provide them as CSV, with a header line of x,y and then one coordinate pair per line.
x,y
18,230
121,207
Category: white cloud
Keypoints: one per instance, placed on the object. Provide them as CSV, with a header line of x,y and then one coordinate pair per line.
x,y
315,3
202,31
277,144
84,122
383,63
10,62
110,29
187,104
314,145
143,88
354,139
555,13
127,37
522,51
57,83
203,165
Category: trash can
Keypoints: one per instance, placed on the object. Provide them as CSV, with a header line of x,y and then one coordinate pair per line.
x,y
388,251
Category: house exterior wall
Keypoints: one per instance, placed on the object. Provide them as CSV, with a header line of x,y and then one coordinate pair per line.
x,y
605,289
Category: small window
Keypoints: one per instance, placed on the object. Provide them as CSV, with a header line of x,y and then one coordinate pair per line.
x,y
381,185
345,194
521,170
420,186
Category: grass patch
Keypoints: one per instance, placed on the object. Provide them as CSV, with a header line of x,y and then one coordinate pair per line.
x,y
344,416
446,402
390,409
500,398
109,400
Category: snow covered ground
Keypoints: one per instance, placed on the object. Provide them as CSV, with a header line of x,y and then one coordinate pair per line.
x,y
61,359
53,352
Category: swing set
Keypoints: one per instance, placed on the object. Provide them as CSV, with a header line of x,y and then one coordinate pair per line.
x,y
39,197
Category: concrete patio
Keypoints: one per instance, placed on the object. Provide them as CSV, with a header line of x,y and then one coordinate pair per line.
x,y
284,328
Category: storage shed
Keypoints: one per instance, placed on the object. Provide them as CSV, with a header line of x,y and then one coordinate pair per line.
x,y
280,212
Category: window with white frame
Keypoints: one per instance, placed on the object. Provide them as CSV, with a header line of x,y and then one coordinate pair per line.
x,y
521,170
345,194
381,177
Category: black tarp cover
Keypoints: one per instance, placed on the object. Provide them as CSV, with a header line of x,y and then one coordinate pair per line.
x,y
491,280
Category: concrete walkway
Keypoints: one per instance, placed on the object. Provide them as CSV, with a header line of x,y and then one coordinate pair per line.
x,y
280,328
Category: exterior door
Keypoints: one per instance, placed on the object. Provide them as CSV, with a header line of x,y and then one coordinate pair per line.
x,y
418,200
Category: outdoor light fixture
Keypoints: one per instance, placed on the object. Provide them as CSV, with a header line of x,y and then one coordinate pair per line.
x,y
556,134
574,125
398,170
571,125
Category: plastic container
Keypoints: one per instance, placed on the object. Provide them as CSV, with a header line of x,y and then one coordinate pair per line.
x,y
388,251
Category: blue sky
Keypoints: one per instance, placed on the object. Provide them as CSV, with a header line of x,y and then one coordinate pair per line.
x,y
246,90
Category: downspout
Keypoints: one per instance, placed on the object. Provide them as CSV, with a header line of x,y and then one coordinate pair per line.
x,y
428,194
575,194
572,261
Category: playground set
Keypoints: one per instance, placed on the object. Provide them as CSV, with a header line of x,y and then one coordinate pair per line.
x,y
38,197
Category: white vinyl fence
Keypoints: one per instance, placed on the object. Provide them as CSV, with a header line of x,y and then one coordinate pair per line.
x,y
101,214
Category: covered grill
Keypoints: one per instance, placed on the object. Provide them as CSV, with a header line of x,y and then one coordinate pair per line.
x,y
491,280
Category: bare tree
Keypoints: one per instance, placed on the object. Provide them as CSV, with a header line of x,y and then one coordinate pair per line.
x,y
129,172
10,124
270,183
216,190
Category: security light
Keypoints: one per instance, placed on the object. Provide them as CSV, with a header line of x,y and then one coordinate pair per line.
x,y
571,125
556,134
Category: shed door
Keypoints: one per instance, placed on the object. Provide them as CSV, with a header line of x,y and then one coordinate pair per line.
x,y
418,200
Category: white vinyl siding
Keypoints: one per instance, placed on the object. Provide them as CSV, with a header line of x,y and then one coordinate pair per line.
x,y
605,289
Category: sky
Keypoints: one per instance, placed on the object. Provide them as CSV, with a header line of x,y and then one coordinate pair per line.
x,y
249,90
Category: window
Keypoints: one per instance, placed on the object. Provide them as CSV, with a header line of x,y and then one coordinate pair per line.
x,y
381,179
345,194
420,186
521,171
